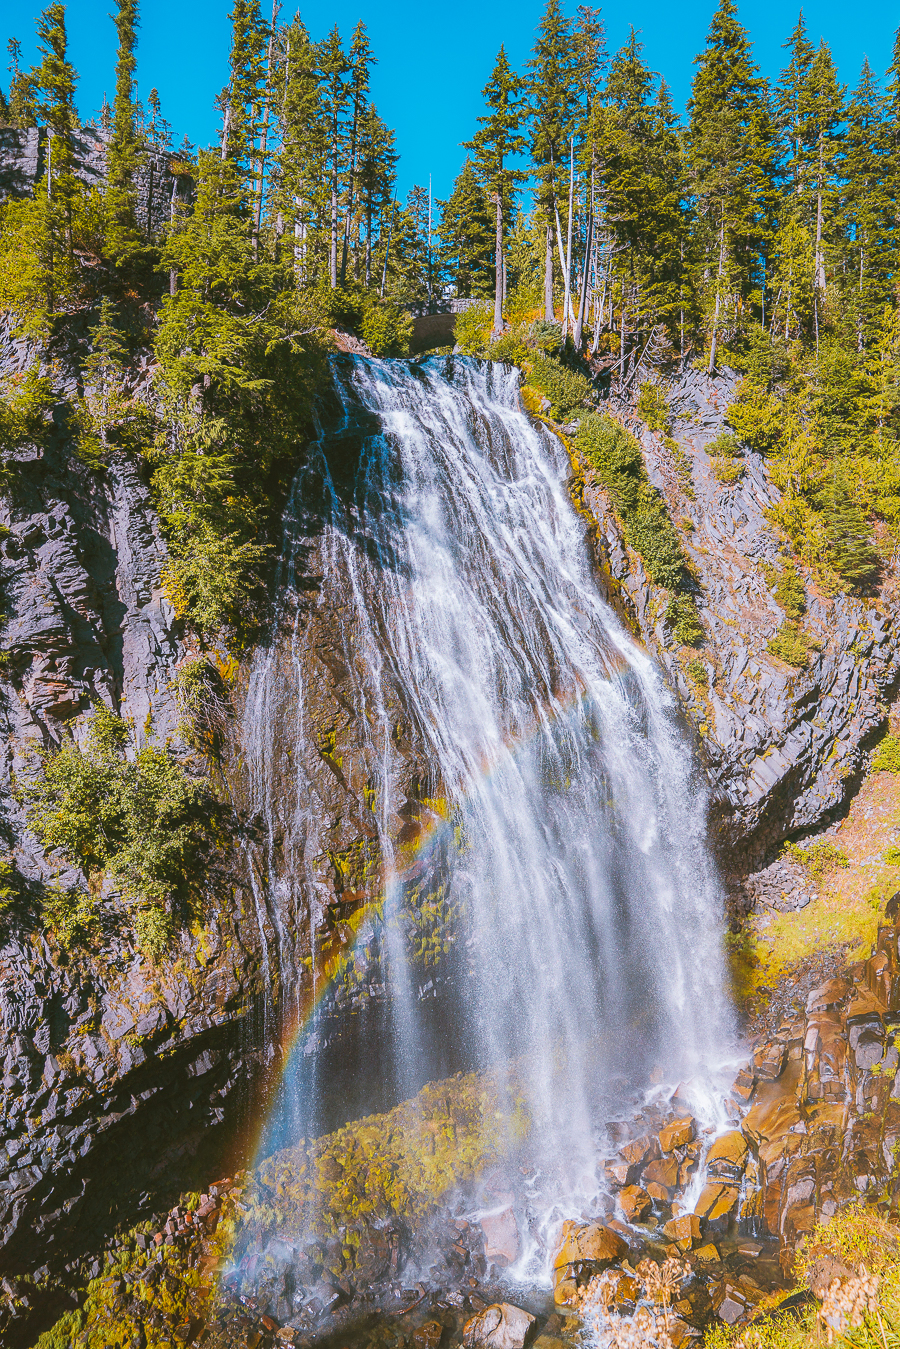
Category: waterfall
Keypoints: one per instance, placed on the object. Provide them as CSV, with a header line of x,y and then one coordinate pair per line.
x,y
533,820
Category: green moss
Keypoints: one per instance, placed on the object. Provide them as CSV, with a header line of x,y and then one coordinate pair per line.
x,y
887,755
819,860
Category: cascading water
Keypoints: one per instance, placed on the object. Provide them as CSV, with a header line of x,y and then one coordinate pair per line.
x,y
548,900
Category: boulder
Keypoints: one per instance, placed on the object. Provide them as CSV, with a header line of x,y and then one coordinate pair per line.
x,y
662,1172
636,1203
501,1236
500,1326
727,1157
584,1250
684,1231
677,1134
716,1201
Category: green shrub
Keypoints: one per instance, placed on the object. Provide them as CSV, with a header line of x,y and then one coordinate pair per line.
x,y
544,335
791,644
510,349
153,930
757,418
819,860
653,409
144,820
725,455
697,671
71,915
887,755
386,329
567,390
788,587
684,620
473,329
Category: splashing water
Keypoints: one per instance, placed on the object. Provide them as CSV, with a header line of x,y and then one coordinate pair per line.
x,y
555,910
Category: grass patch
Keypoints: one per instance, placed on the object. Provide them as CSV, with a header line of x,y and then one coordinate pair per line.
x,y
792,644
887,755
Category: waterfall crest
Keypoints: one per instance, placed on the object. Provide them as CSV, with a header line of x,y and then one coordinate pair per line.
x,y
539,887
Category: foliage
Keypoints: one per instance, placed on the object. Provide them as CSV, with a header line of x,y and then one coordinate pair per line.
x,y
791,644
615,456
386,329
698,672
473,329
684,620
71,915
887,755
725,454
568,390
653,409
142,819
819,860
788,587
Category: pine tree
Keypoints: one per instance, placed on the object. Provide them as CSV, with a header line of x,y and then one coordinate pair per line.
x,y
122,236
376,176
22,104
868,210
360,61
494,145
335,67
553,91
299,186
243,100
731,149
468,237
104,375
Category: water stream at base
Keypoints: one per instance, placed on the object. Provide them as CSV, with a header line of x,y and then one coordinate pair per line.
x,y
574,905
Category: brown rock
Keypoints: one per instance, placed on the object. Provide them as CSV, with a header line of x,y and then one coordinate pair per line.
x,y
769,1060
744,1083
770,1119
707,1253
716,1201
501,1237
728,1155
639,1150
684,1230
677,1134
829,995
428,1336
658,1192
591,1242
635,1202
500,1326
663,1172
620,1173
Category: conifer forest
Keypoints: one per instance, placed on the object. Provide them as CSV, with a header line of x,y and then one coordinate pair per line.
x,y
450,700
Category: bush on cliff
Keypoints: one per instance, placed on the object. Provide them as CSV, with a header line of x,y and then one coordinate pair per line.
x,y
616,457
143,820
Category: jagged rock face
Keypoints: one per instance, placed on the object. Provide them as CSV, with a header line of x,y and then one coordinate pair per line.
x,y
781,745
110,1069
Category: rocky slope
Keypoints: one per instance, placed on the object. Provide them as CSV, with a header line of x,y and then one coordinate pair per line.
x,y
783,746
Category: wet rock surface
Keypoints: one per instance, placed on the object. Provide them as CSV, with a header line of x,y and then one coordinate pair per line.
x,y
112,1071
783,746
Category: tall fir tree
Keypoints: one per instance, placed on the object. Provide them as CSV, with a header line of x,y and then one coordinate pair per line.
x,y
468,237
732,154
361,60
499,141
553,94
123,240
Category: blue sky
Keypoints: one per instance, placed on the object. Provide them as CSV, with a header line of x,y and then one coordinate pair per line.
x,y
433,59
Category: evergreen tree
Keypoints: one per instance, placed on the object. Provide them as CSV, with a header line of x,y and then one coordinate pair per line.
x,y
468,237
553,90
868,210
731,149
122,237
494,145
22,103
376,176
335,67
299,187
360,61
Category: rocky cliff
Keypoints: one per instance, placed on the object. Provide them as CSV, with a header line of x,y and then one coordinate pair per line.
x,y
115,1070
783,745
